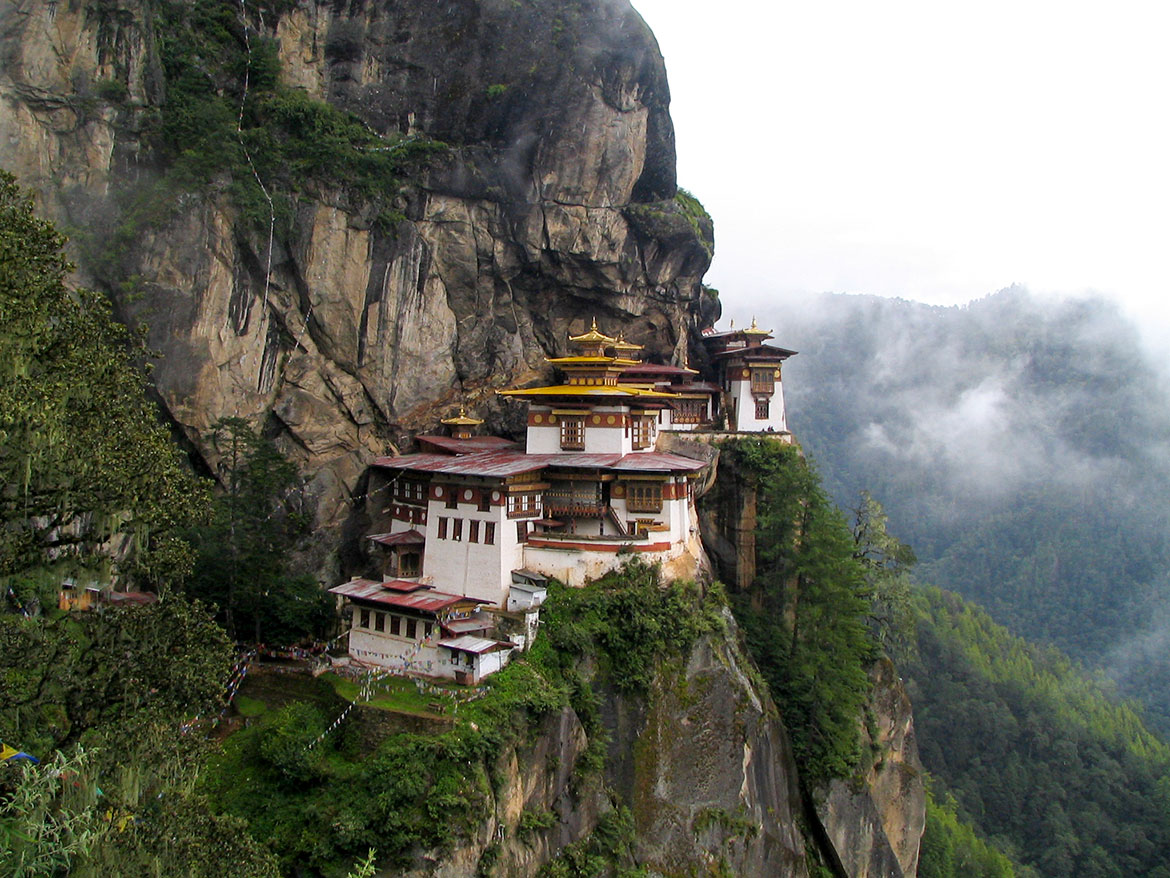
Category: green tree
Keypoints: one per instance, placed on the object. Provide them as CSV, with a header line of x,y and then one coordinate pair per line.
x,y
951,849
805,615
242,563
102,699
887,562
87,472
66,677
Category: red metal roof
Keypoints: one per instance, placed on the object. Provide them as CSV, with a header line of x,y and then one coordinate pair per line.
x,y
403,585
405,538
501,464
658,461
475,444
498,464
424,601
761,351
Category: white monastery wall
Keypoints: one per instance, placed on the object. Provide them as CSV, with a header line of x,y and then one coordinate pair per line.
x,y
745,410
459,566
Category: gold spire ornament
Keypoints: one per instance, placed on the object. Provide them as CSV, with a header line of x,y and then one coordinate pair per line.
x,y
462,419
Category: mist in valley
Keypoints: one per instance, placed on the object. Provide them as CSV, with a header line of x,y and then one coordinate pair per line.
x,y
1018,443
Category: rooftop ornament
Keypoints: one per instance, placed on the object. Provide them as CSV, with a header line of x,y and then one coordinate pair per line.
x,y
593,337
621,346
461,425
462,420
755,330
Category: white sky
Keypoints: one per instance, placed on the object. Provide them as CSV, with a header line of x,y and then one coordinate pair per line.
x,y
932,150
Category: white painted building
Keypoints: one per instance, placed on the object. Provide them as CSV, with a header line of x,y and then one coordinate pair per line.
x,y
409,627
749,373
479,521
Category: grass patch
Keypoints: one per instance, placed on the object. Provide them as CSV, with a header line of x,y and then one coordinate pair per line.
x,y
395,693
249,707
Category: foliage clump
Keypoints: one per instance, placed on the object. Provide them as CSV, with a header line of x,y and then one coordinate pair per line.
x,y
321,807
608,850
951,849
242,552
626,620
805,617
86,469
102,699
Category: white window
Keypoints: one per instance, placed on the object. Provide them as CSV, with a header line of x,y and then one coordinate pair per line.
x,y
525,505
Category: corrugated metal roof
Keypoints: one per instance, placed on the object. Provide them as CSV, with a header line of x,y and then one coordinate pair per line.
x,y
755,352
425,601
405,538
466,626
699,387
658,461
501,464
403,585
477,645
474,445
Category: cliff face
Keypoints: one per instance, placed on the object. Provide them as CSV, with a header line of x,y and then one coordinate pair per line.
x,y
711,778
876,826
552,202
701,762
704,766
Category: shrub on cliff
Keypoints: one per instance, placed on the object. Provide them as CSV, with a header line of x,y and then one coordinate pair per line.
x,y
805,616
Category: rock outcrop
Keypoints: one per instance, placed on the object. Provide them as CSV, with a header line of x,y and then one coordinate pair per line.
x,y
876,825
712,780
552,203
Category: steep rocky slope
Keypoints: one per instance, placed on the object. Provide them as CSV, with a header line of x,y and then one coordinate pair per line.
x,y
552,198
704,766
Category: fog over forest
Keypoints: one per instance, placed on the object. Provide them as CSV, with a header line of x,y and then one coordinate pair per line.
x,y
1018,443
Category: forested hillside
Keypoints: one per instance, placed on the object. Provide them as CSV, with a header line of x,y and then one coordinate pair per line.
x,y
1018,445
1036,755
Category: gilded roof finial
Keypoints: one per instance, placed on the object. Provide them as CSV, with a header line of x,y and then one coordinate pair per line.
x,y
754,329
462,419
593,337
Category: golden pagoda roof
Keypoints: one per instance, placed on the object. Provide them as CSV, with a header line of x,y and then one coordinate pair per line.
x,y
592,361
620,391
622,345
462,420
593,335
